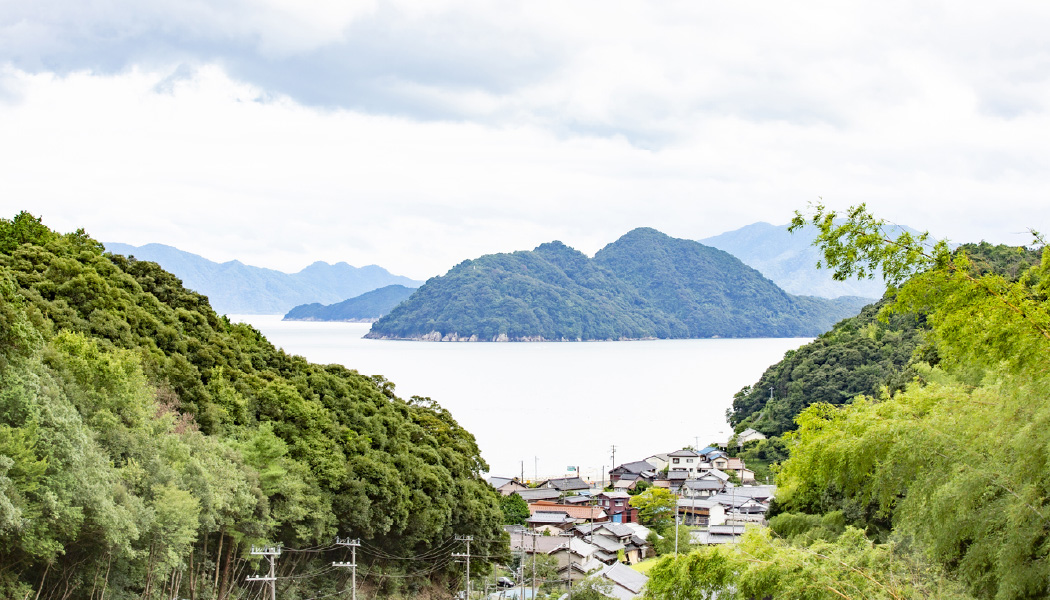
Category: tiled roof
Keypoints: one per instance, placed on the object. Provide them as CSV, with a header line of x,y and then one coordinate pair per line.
x,y
638,466
573,510
538,494
683,452
565,484
624,576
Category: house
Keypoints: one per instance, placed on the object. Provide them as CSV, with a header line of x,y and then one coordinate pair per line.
x,y
534,495
507,485
553,521
627,583
565,484
697,512
617,506
673,480
566,550
684,460
703,487
717,534
632,470
736,465
720,461
575,513
748,435
616,537
658,461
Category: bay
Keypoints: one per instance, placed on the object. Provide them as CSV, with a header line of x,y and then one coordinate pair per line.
x,y
543,408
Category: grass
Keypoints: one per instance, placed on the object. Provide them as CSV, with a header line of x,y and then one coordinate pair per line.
x,y
644,566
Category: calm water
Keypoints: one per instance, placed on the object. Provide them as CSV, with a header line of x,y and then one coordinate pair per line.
x,y
548,406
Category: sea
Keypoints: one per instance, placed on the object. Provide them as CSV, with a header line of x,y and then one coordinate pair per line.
x,y
554,409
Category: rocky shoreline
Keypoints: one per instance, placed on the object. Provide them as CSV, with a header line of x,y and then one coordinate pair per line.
x,y
437,336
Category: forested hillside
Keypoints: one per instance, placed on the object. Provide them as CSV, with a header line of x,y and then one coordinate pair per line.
x,y
147,443
644,285
863,355
366,307
936,488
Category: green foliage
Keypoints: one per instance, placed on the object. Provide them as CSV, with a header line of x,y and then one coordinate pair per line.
x,y
146,443
761,456
956,464
593,588
644,285
860,355
656,507
515,509
762,566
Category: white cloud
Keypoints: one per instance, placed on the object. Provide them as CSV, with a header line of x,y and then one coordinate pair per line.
x,y
453,129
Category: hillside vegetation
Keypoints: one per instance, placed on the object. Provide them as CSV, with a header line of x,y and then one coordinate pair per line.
x,y
147,443
644,285
938,487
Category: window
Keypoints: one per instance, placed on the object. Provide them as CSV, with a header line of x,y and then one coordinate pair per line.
x,y
674,460
688,460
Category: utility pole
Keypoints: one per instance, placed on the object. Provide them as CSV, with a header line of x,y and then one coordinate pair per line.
x,y
467,539
568,547
534,536
522,597
271,553
676,524
353,544
614,456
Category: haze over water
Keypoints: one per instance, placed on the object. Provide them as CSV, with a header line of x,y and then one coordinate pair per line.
x,y
549,405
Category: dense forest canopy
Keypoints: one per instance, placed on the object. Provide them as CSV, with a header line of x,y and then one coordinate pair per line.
x,y
644,285
936,487
147,443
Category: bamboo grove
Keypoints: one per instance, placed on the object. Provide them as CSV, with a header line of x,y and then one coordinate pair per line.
x,y
147,443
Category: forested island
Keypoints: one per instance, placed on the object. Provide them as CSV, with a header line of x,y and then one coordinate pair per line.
x,y
644,285
366,308
147,444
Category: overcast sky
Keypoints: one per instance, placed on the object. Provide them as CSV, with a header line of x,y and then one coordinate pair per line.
x,y
414,135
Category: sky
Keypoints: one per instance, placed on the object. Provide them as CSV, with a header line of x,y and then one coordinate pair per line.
x,y
415,135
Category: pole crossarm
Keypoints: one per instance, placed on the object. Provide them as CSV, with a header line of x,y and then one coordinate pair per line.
x,y
271,553
353,545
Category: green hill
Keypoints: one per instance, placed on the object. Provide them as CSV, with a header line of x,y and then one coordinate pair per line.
x,y
644,285
146,444
362,309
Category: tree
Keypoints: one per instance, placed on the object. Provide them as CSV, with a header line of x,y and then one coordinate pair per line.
x,y
914,464
763,566
515,509
656,507
593,588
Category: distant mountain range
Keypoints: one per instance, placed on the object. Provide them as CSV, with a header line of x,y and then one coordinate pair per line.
x,y
236,288
365,308
644,285
790,259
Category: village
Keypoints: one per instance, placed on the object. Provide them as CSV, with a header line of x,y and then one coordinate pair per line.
x,y
578,530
